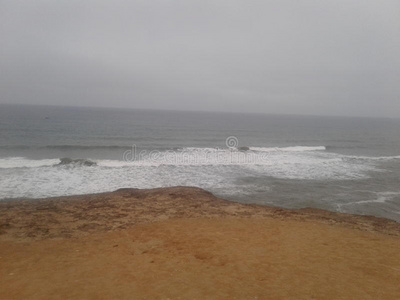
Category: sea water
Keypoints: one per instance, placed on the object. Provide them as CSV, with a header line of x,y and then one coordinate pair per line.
x,y
344,164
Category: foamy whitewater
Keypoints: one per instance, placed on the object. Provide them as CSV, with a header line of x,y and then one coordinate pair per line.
x,y
340,164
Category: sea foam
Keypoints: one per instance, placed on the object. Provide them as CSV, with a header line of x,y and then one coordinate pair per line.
x,y
210,168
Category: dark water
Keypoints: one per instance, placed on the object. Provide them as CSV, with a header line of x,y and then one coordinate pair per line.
x,y
341,164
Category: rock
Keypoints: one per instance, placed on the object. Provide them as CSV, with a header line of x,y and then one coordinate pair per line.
x,y
243,148
79,161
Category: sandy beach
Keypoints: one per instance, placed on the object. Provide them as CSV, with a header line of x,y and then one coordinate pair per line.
x,y
185,243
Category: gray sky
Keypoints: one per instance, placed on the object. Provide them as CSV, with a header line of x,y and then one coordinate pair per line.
x,y
331,57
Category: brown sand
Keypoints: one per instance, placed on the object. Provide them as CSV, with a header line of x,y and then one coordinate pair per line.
x,y
184,243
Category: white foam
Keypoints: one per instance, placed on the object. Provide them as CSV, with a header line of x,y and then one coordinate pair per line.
x,y
377,158
197,149
289,149
209,168
22,162
381,197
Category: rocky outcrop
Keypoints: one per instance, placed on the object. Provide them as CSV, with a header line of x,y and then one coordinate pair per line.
x,y
75,216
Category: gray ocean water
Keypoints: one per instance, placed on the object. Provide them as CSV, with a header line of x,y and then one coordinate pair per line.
x,y
340,164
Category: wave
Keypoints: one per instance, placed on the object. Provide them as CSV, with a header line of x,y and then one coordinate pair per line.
x,y
111,147
23,162
65,147
218,170
257,149
381,197
86,147
382,158
338,147
192,156
289,149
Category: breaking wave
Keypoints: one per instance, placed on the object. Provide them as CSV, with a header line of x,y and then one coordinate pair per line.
x,y
65,147
209,168
23,162
192,156
289,149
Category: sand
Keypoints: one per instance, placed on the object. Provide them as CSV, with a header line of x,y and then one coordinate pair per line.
x,y
184,243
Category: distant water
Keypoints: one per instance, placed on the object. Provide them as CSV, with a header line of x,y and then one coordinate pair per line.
x,y
340,164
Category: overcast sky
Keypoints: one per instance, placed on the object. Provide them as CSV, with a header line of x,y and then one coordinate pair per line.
x,y
330,57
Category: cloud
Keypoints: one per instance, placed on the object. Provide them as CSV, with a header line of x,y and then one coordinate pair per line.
x,y
307,57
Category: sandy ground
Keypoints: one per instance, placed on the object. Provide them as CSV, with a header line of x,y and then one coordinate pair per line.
x,y
184,243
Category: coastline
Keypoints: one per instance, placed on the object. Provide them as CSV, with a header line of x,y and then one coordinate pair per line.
x,y
75,216
185,242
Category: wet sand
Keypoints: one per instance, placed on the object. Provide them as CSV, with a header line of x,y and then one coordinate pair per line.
x,y
184,243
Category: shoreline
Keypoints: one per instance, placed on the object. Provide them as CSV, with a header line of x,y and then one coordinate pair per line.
x,y
185,243
74,216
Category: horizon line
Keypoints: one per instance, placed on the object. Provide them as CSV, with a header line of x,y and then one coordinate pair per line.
x,y
199,111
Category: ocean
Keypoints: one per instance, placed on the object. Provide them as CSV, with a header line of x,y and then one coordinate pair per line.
x,y
343,164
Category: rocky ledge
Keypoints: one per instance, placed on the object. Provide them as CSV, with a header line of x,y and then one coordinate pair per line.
x,y
75,216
